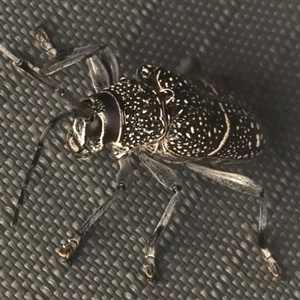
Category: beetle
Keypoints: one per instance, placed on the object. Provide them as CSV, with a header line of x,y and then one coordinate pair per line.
x,y
158,115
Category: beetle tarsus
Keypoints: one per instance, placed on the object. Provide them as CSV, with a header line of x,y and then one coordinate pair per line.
x,y
149,268
68,249
44,41
272,264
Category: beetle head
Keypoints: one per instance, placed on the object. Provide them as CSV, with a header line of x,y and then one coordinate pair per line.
x,y
98,126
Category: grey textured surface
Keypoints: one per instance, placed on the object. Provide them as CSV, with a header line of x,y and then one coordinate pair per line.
x,y
208,251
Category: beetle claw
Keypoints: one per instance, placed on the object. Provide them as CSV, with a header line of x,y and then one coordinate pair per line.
x,y
149,268
68,249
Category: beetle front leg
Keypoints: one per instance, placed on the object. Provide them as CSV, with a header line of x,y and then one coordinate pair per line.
x,y
103,70
166,176
102,62
68,249
44,41
28,68
248,186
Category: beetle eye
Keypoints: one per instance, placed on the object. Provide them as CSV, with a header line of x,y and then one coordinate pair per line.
x,y
93,128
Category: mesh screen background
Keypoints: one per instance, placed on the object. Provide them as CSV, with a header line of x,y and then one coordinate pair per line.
x,y
209,249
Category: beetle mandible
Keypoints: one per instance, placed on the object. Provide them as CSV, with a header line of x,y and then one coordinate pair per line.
x,y
161,117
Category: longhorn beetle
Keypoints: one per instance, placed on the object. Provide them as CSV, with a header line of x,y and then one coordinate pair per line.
x,y
162,118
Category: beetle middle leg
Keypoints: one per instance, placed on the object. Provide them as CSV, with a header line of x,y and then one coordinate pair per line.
x,y
167,177
248,186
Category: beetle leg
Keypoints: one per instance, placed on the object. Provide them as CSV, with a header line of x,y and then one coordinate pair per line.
x,y
44,41
166,176
109,60
38,74
248,186
27,67
102,63
103,70
68,249
72,57
101,66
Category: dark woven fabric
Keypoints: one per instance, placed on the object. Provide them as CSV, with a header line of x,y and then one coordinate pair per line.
x,y
209,250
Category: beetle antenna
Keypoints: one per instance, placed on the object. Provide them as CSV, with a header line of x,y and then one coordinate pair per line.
x,y
35,160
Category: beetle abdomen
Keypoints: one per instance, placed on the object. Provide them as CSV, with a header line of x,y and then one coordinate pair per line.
x,y
214,129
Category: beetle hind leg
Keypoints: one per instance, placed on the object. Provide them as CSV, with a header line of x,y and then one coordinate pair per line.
x,y
266,254
248,186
